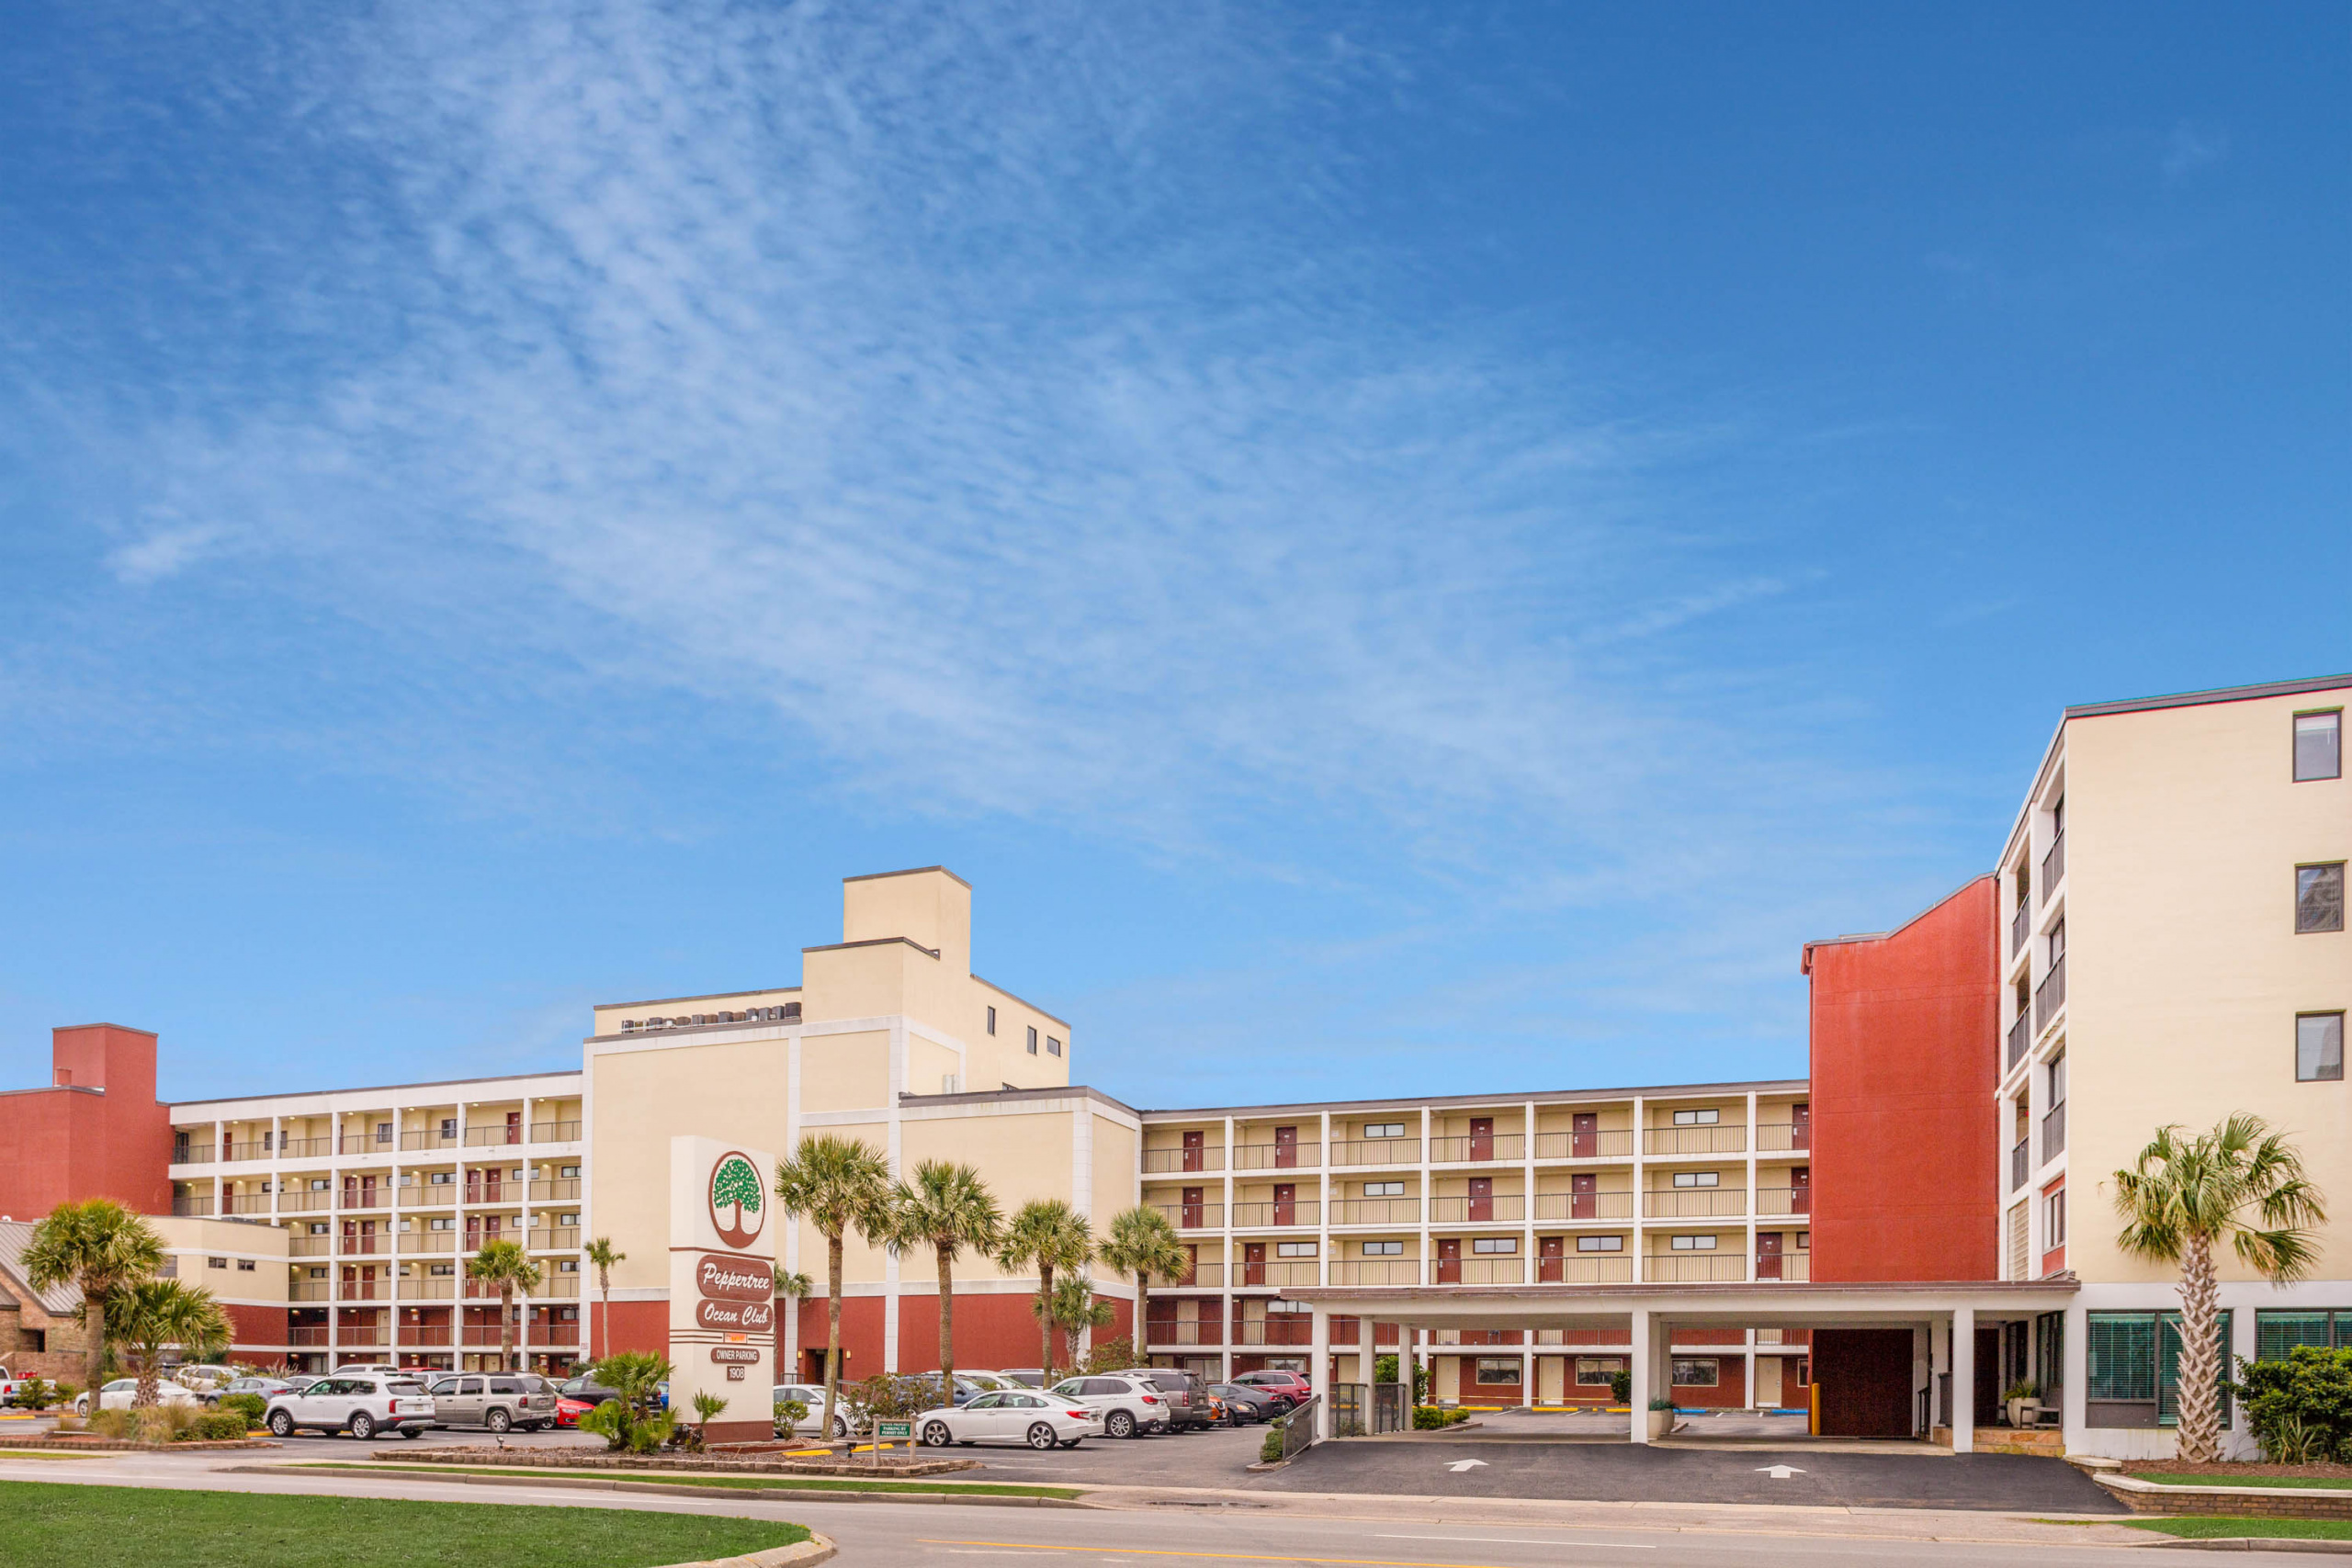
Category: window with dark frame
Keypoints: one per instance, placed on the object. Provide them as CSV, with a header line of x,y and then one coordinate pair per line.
x,y
1494,1371
1033,1040
1496,1246
1053,1046
1600,1243
991,1020
1597,1371
1384,1249
2053,1220
2319,899
1697,1372
2319,1047
2319,746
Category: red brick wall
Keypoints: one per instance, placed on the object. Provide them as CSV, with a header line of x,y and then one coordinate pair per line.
x,y
1906,1152
69,1141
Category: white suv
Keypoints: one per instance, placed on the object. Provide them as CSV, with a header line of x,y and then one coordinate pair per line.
x,y
1126,1404
362,1403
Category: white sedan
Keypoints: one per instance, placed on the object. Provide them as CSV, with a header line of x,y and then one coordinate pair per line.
x,y
1040,1420
119,1393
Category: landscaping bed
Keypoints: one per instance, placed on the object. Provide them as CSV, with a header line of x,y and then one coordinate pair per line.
x,y
893,1465
2206,1493
2224,1473
87,1442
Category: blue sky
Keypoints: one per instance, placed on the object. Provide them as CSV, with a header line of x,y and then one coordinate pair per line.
x,y
1401,549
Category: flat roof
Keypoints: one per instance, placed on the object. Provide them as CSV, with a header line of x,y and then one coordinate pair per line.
x,y
1663,1092
379,1087
2218,695
697,997
995,1096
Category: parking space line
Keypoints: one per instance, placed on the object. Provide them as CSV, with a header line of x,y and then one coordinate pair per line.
x,y
1226,1556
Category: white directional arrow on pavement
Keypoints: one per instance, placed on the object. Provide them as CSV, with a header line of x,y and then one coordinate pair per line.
x,y
1778,1472
1458,1466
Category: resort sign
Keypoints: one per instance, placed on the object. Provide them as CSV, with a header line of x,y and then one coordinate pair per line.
x,y
722,1283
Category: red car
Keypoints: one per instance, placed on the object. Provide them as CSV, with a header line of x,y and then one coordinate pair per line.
x,y
568,1411
1286,1389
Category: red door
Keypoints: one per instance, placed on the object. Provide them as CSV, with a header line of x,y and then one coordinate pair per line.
x,y
1584,1197
514,1126
1550,1264
367,1235
1253,1264
1585,1141
351,1192
1482,1138
474,1232
351,1235
1194,1197
367,1192
1767,1255
1800,1125
1801,1191
1286,1150
1481,1198
1286,1203
1449,1262
489,1180
1195,1151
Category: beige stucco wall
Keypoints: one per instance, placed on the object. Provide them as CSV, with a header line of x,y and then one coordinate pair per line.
x,y
2184,971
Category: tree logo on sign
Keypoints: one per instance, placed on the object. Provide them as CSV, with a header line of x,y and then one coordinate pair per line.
x,y
736,1198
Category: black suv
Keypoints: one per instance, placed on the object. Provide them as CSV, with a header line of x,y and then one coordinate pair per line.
x,y
1187,1397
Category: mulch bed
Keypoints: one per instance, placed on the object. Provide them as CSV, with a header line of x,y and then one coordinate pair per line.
x,y
894,1466
2222,1471
76,1442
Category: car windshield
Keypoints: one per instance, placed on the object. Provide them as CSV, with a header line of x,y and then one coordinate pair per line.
x,y
1073,1388
404,1385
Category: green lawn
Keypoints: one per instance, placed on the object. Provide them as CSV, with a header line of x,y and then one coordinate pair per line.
x,y
2311,1482
755,1482
2196,1527
125,1527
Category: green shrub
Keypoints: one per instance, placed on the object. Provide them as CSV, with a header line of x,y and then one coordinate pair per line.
x,y
214,1427
250,1407
1661,1404
1269,1447
2302,1404
1621,1388
789,1413
1111,1356
36,1395
117,1426
1434,1417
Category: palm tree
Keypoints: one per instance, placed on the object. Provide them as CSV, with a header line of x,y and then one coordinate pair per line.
x,y
2243,1182
1050,1237
605,1255
101,1246
948,1208
503,1263
834,1184
1142,1244
1073,1309
151,1315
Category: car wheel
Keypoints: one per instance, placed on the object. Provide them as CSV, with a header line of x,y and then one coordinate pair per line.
x,y
411,1432
499,1421
1119,1423
937,1436
363,1426
1042,1437
281,1425
841,1430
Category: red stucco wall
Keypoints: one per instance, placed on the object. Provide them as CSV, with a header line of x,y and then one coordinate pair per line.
x,y
100,1133
1906,1152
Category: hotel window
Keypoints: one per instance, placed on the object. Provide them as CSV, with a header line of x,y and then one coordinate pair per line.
x,y
568,1266
244,1265
319,1227
567,1218
991,1020
1496,1245
2133,1366
569,1172
315,1273
1600,1243
1053,1046
1697,1372
1697,1118
441,1270
1383,1130
1383,1190
384,1131
2319,746
2319,1047
2276,1333
1692,1243
1294,1249
2319,898
448,1129
442,1179
170,1268
1033,1040
1494,1371
1804,1241
2053,1220
440,1223
1597,1370
216,1263
1698,1178
1384,1249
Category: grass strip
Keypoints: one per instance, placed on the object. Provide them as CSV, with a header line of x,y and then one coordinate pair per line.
x,y
737,1483
128,1527
2293,1482
2195,1527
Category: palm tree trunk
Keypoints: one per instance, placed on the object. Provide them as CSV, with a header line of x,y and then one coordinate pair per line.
x,y
93,1355
149,1394
2199,1434
946,1325
505,1326
604,1284
1140,1330
1046,1294
832,1328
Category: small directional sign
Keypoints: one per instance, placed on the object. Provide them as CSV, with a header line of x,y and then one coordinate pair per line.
x,y
890,1430
1458,1466
1778,1471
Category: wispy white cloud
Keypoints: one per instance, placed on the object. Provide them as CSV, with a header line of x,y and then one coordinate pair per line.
x,y
2192,147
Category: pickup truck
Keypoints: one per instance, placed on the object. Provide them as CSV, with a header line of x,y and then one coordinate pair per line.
x,y
10,1387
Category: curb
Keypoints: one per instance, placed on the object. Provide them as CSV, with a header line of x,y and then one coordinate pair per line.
x,y
2254,1543
681,1489
800,1554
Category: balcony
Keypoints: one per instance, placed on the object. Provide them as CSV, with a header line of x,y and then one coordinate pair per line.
x,y
351,1339
194,1153
495,1195
317,1202
191,1207
2053,1132
1784,1200
310,1291
1199,1331
430,1195
358,1198
1501,1209
307,1334
364,1143
432,1139
2020,1165
310,1247
1376,1271
258,1149
555,1334
1614,1143
249,1202
1481,1270
432,1288
364,1291
2021,1036
2050,996
1477,1148
1161,1162
1584,1205
428,1241
1710,1139
1285,1328
494,1136
1376,1151
1277,1215
1695,1267
424,1335
1277,1156
558,1238
305,1148
1790,1268
1694,1202
1281,1272
1193,1216
1783,1137
1616,1271
1377,1212
365,1245
2053,867
555,1132
547,1192
485,1335
1209,1276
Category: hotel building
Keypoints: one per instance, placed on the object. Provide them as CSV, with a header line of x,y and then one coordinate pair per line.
x,y
1887,1241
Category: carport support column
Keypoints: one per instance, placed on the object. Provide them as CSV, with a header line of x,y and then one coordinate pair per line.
x,y
1639,1362
1320,1352
1364,1363
1964,1379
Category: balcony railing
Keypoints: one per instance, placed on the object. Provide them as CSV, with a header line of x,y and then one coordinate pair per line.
x,y
555,1334
1376,1271
1481,1270
310,1247
191,1207
1688,1267
1377,1212
2021,1036
2053,867
1694,1202
194,1153
429,1289
1288,1328
430,1195
556,1286
348,1338
1376,1151
364,1143
429,1241
364,1245
1279,1272
1710,1139
1193,1216
424,1333
1208,1157
1584,1205
429,1138
2021,924
1784,1200
1610,1143
1477,1148
545,1191
494,1136
305,1148
2053,1132
1602,1270
2050,996
307,1334
1199,1331
1502,1208
1783,1137
1209,1276
1277,1156
1277,1216
364,1291
310,1291
484,1333
2020,1164
555,1132
249,1202
496,1195
556,1238
317,1202
256,1149
1790,1268
365,1198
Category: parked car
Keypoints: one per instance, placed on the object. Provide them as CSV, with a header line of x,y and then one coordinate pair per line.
x,y
10,1387
1010,1415
361,1404
1026,1377
499,1401
810,1395
568,1412
1129,1405
587,1389
1289,1388
1187,1397
203,1377
119,1393
1245,1405
267,1388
